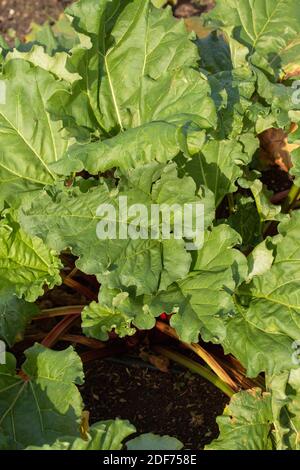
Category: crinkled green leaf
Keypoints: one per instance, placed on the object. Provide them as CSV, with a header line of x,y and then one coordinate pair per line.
x,y
218,166
46,397
266,210
215,55
246,423
122,312
231,79
104,435
232,92
26,263
260,260
14,315
280,98
267,320
29,140
55,64
148,48
114,312
159,134
182,94
156,141
203,300
253,31
258,25
145,263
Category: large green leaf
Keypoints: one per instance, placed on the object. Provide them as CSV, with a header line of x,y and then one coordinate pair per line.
x,y
148,262
203,300
45,395
231,79
14,315
252,29
147,48
246,423
262,421
280,98
267,320
26,264
232,82
220,60
157,141
55,64
123,312
115,311
246,221
29,140
258,25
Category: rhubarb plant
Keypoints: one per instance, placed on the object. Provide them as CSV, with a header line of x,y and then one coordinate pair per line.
x,y
129,104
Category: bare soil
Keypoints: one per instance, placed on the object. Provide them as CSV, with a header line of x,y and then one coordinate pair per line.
x,y
175,403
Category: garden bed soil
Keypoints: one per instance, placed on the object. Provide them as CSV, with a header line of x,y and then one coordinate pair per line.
x,y
179,404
